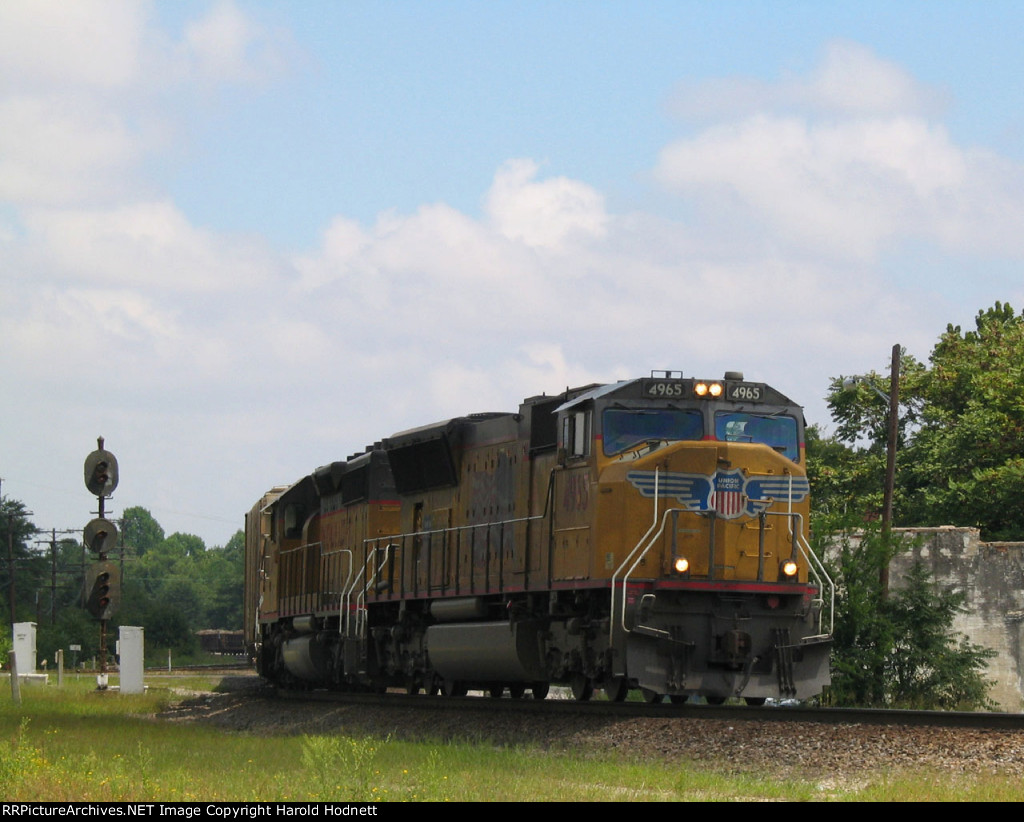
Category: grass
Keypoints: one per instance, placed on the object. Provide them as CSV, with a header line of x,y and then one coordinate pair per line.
x,y
75,743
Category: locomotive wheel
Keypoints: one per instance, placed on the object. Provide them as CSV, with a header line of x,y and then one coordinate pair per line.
x,y
651,697
516,690
617,689
754,701
582,688
678,699
412,686
454,688
540,690
716,700
496,691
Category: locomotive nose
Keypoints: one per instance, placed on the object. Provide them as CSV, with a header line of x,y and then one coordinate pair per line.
x,y
736,645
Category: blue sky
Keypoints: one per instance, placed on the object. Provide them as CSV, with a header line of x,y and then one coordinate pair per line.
x,y
243,239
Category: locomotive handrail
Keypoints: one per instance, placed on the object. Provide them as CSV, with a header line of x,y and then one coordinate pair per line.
x,y
814,567
360,604
287,576
399,540
452,528
261,577
622,565
346,591
637,561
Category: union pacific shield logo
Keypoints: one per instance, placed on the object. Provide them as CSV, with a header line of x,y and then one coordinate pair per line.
x,y
728,499
730,494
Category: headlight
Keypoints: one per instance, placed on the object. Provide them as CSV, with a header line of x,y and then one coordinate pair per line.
x,y
708,389
788,569
681,565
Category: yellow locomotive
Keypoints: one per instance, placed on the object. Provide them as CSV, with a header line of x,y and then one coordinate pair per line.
x,y
648,534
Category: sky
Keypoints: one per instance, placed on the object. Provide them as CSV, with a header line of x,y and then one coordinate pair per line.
x,y
240,240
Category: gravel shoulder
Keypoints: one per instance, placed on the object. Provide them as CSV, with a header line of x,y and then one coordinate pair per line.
x,y
795,749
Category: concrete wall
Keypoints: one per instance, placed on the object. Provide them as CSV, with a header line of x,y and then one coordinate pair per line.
x,y
991,575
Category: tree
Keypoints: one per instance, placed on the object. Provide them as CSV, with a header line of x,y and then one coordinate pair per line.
x,y
222,570
845,481
139,530
862,634
899,650
23,569
967,465
960,457
930,666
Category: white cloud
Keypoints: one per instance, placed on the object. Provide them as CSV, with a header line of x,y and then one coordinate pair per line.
x,y
58,151
148,245
82,84
543,214
227,45
850,80
273,361
848,187
53,44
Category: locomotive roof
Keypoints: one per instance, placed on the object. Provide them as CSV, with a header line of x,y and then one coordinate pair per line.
x,y
594,393
634,389
432,431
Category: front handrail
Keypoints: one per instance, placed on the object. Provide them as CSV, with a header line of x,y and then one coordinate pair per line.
x,y
622,565
639,558
816,569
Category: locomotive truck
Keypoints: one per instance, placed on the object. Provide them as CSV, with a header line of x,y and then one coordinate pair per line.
x,y
647,534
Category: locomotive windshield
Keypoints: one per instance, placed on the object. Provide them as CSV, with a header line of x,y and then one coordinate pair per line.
x,y
624,428
779,433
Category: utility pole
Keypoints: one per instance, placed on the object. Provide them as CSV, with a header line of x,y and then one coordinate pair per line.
x,y
10,558
893,399
54,569
10,566
890,467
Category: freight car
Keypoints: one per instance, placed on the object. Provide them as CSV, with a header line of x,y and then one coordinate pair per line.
x,y
218,641
649,534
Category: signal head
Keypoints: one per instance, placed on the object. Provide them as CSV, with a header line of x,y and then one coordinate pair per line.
x,y
100,536
101,473
102,586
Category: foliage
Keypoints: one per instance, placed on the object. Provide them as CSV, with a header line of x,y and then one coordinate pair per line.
x,y
171,585
139,531
930,666
844,481
960,452
6,642
898,649
968,458
30,568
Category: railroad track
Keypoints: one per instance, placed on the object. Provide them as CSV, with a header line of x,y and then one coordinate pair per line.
x,y
623,710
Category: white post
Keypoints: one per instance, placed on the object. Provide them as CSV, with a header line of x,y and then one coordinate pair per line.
x,y
15,684
130,659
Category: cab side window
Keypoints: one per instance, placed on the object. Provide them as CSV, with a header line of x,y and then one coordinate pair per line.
x,y
576,434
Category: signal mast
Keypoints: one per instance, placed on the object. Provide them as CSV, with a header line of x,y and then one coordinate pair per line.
x,y
103,577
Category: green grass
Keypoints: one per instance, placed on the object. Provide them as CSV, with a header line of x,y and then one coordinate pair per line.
x,y
75,743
